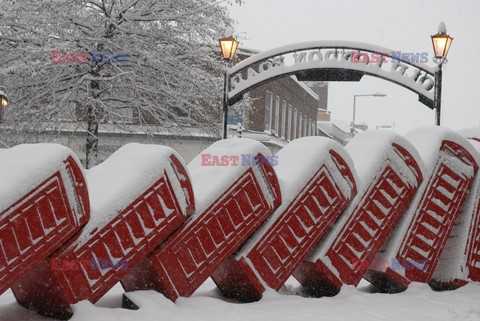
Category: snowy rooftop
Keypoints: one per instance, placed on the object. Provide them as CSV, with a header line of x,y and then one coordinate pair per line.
x,y
340,124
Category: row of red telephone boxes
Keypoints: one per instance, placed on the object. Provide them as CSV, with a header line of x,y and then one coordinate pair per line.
x,y
324,214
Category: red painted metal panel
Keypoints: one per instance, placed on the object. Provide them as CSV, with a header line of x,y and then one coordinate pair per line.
x,y
191,254
473,250
362,235
40,221
435,214
281,248
459,261
86,272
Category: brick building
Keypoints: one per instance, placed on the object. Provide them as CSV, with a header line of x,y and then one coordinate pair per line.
x,y
284,108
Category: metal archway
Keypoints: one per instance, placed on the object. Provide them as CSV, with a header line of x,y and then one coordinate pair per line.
x,y
330,61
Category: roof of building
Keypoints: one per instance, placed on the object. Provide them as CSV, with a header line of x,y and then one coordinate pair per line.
x,y
340,124
327,126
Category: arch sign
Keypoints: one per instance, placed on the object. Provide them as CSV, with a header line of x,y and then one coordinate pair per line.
x,y
331,61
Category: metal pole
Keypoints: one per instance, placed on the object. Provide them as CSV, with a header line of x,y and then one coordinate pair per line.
x,y
352,129
437,100
225,103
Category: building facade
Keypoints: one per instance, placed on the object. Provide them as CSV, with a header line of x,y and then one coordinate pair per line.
x,y
284,108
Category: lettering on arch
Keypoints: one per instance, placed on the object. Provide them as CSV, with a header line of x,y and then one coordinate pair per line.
x,y
330,61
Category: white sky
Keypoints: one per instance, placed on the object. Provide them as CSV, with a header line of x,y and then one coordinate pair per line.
x,y
399,25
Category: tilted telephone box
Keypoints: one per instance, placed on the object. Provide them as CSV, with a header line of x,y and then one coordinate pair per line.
x,y
459,262
416,244
232,199
138,196
43,202
317,181
389,171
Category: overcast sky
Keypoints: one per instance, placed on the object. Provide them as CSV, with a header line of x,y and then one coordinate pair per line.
x,y
399,25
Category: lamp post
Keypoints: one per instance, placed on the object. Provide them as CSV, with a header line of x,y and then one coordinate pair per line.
x,y
3,97
228,47
352,127
441,45
3,101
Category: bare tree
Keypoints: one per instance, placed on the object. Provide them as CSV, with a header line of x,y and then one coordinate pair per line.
x,y
147,62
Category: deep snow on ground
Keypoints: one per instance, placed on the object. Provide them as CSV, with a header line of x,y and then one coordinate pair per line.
x,y
419,302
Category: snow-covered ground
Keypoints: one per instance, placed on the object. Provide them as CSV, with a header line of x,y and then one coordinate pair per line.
x,y
419,302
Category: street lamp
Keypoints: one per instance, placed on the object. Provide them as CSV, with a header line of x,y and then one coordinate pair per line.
x,y
228,47
3,97
441,45
352,127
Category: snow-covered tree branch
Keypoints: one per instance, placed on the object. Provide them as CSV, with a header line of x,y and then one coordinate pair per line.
x,y
171,76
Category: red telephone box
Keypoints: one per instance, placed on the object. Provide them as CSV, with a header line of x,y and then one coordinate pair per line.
x,y
317,183
413,251
472,246
389,174
231,200
43,202
139,195
460,259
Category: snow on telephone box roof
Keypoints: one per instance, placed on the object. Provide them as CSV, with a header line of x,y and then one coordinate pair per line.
x,y
317,181
139,195
231,202
43,201
470,132
209,182
428,141
418,239
389,170
123,177
23,167
372,149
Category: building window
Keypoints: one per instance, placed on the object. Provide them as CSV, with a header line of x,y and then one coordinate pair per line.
x,y
300,121
314,132
268,111
309,130
126,113
284,117
277,114
304,125
294,132
289,124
